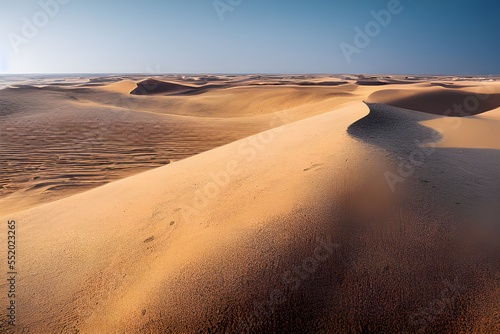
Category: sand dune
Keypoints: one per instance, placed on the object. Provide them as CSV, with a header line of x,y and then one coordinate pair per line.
x,y
336,216
442,100
76,138
123,86
458,132
152,86
55,144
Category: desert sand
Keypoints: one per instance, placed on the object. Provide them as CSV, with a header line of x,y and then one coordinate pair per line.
x,y
252,204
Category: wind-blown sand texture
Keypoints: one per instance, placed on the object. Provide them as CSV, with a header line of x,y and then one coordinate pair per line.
x,y
253,204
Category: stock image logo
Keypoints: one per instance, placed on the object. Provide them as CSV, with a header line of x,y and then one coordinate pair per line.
x,y
31,26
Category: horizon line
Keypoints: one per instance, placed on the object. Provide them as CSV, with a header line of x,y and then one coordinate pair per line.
x,y
247,73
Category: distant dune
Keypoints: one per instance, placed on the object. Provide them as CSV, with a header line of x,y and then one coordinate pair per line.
x,y
124,86
152,86
439,100
254,208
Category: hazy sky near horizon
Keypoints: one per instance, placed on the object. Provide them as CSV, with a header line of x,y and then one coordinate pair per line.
x,y
250,36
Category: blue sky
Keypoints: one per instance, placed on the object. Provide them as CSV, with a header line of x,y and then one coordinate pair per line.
x,y
249,36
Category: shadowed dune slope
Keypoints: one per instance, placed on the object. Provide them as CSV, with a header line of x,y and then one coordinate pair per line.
x,y
153,86
442,101
291,230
